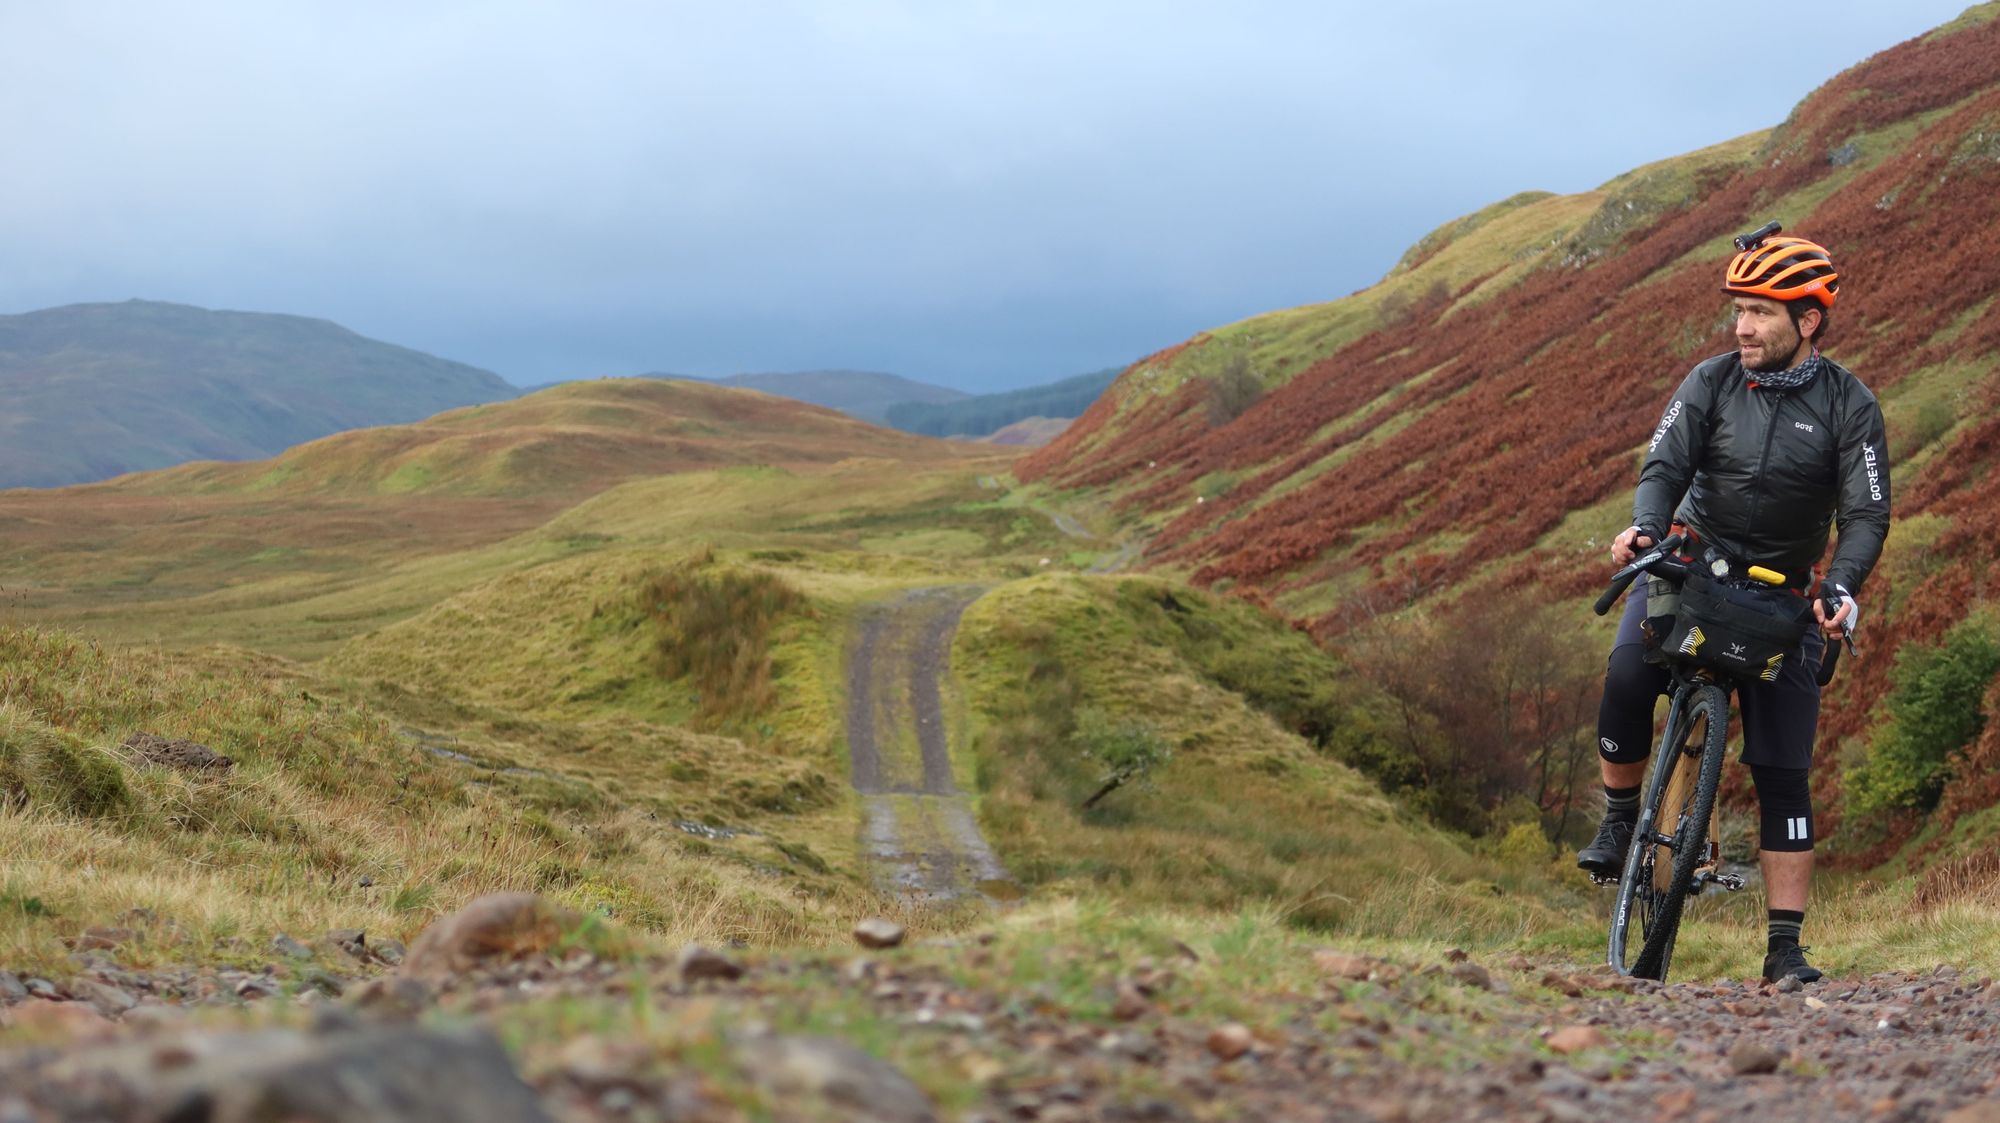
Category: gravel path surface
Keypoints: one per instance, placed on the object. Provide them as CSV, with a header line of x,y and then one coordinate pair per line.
x,y
918,829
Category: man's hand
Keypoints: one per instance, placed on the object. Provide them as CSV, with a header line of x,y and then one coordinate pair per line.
x,y
1627,545
1838,622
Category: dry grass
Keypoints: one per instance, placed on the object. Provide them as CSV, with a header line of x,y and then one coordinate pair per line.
x,y
324,797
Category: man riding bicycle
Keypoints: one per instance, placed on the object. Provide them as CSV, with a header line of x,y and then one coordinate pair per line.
x,y
1757,454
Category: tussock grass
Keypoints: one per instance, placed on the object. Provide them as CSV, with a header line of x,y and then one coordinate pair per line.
x,y
329,819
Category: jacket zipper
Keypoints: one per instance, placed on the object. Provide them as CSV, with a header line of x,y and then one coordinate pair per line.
x,y
1763,458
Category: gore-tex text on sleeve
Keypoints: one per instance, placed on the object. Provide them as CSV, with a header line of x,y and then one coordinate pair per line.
x,y
1863,514
1671,456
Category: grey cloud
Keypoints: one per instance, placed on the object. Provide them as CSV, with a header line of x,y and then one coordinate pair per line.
x,y
983,194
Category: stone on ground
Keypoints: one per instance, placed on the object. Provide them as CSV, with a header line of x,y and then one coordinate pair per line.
x,y
1230,1041
876,932
818,1077
697,962
1575,1039
496,927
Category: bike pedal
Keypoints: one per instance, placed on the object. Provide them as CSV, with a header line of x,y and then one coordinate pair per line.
x,y
1703,879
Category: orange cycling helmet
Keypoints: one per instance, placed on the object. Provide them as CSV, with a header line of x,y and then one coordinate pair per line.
x,y
1783,269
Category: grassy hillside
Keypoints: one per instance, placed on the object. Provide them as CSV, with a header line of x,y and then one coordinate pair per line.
x,y
353,531
1471,423
1259,797
96,390
626,692
333,816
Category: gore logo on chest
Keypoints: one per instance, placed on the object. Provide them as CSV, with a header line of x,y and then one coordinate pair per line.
x,y
1802,425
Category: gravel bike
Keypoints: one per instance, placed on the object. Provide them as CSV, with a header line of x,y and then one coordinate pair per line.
x,y
1673,854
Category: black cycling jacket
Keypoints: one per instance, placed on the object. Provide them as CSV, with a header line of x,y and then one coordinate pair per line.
x,y
1761,473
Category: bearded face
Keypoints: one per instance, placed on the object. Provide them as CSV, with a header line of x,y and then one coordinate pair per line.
x,y
1766,336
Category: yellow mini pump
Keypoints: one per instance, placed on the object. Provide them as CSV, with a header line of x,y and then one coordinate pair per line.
x,y
1767,576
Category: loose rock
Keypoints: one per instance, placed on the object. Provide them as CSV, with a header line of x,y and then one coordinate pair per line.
x,y
184,755
816,1074
289,948
498,926
396,998
878,933
382,1075
1344,966
1575,1039
697,962
1130,1004
59,1019
1230,1041
1472,975
351,942
1750,1058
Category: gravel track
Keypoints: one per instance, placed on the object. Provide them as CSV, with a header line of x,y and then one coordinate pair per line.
x,y
918,829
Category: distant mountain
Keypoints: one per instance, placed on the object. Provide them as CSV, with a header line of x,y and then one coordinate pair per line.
x,y
865,394
89,391
989,413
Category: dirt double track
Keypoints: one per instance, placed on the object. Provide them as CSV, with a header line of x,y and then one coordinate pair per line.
x,y
918,828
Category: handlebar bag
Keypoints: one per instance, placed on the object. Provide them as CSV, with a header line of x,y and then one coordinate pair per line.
x,y
1745,632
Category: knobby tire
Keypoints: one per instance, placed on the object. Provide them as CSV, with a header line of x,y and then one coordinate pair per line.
x,y
1706,707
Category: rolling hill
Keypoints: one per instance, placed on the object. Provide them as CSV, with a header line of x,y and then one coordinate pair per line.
x,y
1472,423
356,529
571,440
92,391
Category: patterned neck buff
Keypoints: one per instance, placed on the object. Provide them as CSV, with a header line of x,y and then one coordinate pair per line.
x,y
1791,379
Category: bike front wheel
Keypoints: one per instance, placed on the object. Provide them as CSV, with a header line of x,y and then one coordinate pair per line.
x,y
1670,839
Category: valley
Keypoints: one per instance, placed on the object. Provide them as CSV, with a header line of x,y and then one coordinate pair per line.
x,y
658,749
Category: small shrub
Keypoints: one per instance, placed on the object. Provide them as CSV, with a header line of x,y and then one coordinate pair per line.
x,y
1934,418
1934,711
1233,390
1127,750
715,629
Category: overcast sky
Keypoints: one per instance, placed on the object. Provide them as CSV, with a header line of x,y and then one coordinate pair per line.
x,y
984,195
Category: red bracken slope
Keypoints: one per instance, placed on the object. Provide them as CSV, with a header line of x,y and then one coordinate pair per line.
x,y
1468,419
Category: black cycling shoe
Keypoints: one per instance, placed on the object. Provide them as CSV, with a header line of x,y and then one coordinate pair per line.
x,y
1605,856
1789,961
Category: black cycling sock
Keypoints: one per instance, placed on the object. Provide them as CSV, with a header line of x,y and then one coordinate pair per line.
x,y
1621,803
1784,928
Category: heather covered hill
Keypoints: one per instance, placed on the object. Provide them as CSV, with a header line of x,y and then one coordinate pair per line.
x,y
1476,417
89,391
